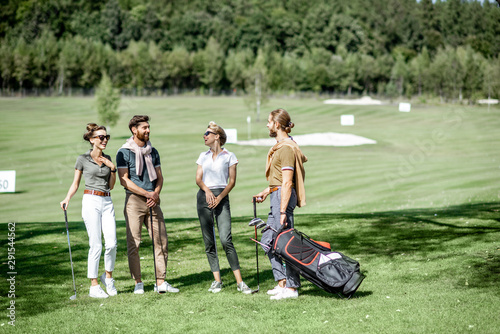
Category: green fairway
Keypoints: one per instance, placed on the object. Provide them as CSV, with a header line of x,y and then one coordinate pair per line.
x,y
419,210
431,157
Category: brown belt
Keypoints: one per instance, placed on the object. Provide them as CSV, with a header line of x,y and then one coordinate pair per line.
x,y
274,189
97,193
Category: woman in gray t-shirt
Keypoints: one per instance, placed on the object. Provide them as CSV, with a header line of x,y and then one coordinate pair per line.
x,y
98,212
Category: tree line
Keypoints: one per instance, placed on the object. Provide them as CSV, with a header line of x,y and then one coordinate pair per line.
x,y
394,48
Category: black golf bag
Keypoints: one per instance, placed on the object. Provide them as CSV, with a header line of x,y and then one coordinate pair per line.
x,y
331,271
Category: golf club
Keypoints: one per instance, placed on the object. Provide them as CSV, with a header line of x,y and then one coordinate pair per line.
x,y
254,223
268,227
261,225
153,241
70,257
260,243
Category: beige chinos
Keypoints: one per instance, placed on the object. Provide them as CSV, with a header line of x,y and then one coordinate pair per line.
x,y
137,214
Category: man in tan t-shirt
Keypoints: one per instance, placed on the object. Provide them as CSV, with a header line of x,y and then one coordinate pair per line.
x,y
285,173
283,159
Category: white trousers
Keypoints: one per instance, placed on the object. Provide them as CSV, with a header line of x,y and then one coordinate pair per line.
x,y
98,214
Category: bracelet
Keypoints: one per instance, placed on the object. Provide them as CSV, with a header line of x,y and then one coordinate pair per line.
x,y
114,171
283,213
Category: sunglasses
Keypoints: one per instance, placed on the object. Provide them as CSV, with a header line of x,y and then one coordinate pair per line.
x,y
101,137
208,133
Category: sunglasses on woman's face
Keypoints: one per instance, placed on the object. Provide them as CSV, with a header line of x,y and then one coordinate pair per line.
x,y
101,137
208,133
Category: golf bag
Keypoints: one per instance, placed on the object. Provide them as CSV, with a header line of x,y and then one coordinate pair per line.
x,y
331,271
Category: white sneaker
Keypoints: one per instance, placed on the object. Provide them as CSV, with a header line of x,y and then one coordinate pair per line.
x,y
139,288
273,292
244,288
215,287
285,294
165,287
109,283
97,292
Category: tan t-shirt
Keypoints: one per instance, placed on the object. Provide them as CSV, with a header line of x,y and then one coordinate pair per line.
x,y
283,159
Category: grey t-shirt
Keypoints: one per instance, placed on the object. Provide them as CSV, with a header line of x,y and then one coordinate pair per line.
x,y
96,178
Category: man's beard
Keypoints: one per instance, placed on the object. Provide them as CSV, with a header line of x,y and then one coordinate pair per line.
x,y
273,134
142,137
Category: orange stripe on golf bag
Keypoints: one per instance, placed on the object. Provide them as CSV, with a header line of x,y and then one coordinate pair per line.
x,y
298,261
323,243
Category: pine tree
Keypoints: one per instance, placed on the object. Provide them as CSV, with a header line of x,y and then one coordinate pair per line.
x,y
108,101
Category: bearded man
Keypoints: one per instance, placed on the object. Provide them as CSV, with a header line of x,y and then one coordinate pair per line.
x,y
285,173
139,170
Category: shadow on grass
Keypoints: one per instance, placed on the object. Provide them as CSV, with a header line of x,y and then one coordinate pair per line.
x,y
315,291
43,259
15,192
486,271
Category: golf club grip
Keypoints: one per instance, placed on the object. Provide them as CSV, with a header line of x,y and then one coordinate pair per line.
x,y
254,208
65,216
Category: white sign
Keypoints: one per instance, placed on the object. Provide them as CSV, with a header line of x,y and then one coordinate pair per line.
x,y
346,120
232,136
488,101
7,181
404,107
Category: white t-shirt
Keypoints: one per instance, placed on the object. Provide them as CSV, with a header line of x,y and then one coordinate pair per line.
x,y
216,173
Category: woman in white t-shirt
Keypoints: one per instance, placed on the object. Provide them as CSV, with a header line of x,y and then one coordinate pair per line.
x,y
216,177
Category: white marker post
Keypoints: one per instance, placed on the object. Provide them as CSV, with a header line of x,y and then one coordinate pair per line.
x,y
347,120
249,122
404,107
232,136
8,181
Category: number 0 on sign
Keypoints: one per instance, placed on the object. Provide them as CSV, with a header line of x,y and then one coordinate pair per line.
x,y
7,181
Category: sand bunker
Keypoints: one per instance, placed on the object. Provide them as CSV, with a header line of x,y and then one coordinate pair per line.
x,y
316,139
364,101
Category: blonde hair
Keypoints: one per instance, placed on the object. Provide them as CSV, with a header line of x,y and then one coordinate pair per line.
x,y
218,130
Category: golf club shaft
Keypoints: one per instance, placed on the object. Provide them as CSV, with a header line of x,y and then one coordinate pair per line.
x,y
153,240
69,247
268,227
260,243
257,257
256,247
